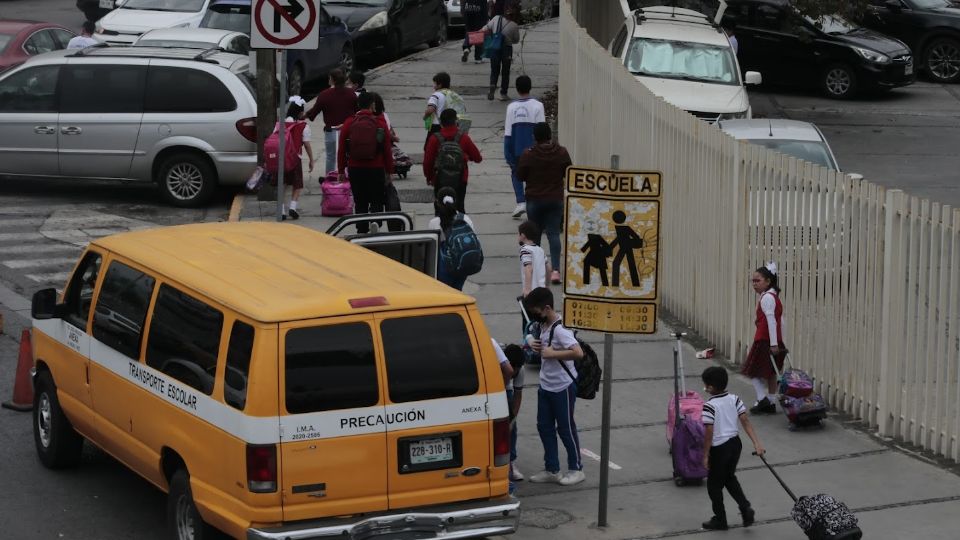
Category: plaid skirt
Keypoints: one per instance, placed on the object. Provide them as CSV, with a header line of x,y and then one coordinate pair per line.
x,y
758,364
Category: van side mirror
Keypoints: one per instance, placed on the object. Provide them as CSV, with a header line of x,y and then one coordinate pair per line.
x,y
44,305
753,78
893,5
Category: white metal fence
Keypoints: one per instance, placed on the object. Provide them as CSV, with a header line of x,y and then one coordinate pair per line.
x,y
871,277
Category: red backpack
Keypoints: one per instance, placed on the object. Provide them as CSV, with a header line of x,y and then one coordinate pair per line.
x,y
365,138
293,140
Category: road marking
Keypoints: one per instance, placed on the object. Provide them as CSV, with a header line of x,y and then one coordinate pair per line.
x,y
42,248
20,236
38,263
589,453
55,277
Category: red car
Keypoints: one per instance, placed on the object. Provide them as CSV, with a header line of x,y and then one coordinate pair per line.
x,y
20,40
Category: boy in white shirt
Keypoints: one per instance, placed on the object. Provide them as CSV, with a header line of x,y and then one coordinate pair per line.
x,y
533,261
557,395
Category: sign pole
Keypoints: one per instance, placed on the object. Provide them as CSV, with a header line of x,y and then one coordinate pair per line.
x,y
607,398
281,119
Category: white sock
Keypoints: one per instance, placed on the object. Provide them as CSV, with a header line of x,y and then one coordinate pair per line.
x,y
760,386
284,209
293,205
772,398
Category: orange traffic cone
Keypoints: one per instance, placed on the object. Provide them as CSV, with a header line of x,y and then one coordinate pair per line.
x,y
22,387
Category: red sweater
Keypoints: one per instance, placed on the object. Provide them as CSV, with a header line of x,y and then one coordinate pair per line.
x,y
470,152
337,104
383,160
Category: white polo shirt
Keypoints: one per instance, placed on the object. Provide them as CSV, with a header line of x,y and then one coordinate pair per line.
x,y
723,411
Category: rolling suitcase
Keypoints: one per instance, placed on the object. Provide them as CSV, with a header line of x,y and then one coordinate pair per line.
x,y
337,197
801,405
821,517
686,442
691,404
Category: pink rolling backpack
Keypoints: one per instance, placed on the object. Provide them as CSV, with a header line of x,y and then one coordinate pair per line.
x,y
337,197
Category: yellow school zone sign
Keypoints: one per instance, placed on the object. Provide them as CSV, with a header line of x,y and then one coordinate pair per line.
x,y
612,238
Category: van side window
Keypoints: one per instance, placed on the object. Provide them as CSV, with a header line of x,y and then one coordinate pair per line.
x,y
101,88
184,339
79,295
186,90
238,365
122,308
330,367
30,90
428,357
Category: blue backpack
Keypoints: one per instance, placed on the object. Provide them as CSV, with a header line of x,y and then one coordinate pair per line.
x,y
462,255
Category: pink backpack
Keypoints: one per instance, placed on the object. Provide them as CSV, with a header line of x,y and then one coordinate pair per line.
x,y
293,140
691,406
337,197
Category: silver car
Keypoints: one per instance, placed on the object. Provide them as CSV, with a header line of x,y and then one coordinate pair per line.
x,y
196,38
181,118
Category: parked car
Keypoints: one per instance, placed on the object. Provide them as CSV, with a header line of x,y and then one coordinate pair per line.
x,y
196,38
801,140
832,54
930,27
685,58
454,15
131,18
303,66
19,40
171,116
386,28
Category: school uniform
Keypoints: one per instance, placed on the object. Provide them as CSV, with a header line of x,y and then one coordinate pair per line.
x,y
723,411
769,323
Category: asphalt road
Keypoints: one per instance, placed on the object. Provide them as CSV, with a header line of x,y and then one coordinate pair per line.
x,y
63,12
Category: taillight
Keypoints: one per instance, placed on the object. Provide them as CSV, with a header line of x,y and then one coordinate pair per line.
x,y
248,128
501,442
262,468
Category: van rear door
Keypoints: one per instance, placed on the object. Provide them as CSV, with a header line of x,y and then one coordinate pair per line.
x,y
332,424
438,427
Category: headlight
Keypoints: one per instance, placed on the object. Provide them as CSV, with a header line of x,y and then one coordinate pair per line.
x,y
872,56
733,115
377,21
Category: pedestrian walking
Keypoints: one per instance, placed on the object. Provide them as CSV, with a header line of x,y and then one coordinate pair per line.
x,y
85,39
445,207
299,137
514,354
441,99
337,103
365,148
557,395
767,341
446,159
722,447
533,263
504,33
542,169
522,115
475,14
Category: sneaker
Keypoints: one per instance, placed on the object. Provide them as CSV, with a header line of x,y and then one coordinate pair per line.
x,y
520,210
478,61
555,277
763,407
490,93
504,97
515,473
572,477
715,524
545,477
294,214
466,53
748,516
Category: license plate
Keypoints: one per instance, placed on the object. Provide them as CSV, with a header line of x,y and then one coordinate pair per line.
x,y
431,450
908,70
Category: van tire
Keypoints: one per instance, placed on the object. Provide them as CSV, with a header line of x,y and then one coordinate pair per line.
x,y
58,445
186,180
183,518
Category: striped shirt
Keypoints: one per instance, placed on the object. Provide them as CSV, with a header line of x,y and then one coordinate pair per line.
x,y
723,411
532,255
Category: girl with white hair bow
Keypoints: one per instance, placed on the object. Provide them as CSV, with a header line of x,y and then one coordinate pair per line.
x,y
298,134
767,341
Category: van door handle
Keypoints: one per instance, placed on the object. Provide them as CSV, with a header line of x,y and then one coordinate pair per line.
x,y
44,130
71,130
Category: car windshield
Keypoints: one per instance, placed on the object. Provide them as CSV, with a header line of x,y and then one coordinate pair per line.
x,y
930,4
164,5
168,43
814,152
227,17
682,60
832,24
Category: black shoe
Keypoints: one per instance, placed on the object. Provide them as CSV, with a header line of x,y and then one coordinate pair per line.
x,y
466,53
764,406
490,93
748,515
283,217
294,214
715,524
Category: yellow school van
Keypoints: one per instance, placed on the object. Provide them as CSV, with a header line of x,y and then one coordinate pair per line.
x,y
277,383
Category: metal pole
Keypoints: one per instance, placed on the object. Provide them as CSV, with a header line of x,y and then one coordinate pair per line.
x,y
605,422
281,117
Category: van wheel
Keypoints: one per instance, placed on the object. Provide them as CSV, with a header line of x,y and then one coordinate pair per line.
x,y
183,519
58,445
839,81
186,180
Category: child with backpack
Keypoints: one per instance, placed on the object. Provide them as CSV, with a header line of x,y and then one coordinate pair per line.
x,y
365,148
296,137
445,162
557,395
457,235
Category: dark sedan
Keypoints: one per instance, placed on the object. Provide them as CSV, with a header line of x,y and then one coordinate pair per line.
x,y
386,28
832,54
20,40
930,27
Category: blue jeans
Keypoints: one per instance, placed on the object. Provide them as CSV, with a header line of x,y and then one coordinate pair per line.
x,y
555,417
330,149
517,185
548,215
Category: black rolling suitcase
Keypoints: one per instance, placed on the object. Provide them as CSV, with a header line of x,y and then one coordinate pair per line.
x,y
821,516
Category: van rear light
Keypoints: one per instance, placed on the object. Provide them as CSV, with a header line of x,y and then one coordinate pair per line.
x,y
248,128
262,468
501,442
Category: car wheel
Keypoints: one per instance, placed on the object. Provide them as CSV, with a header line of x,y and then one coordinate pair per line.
x,y
58,445
295,81
186,180
942,59
839,81
441,35
346,60
183,518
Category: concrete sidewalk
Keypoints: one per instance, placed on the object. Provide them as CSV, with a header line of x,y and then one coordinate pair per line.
x,y
895,495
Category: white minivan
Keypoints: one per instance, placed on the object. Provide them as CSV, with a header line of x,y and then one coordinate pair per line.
x,y
684,57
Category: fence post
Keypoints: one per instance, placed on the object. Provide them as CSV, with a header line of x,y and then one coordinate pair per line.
x,y
735,259
892,278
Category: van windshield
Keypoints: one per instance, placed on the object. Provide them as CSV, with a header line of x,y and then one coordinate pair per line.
x,y
164,5
682,60
227,17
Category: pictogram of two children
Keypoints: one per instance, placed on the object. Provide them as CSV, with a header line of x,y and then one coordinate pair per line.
x,y
597,250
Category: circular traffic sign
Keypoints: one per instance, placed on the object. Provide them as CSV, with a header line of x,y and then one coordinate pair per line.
x,y
275,9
